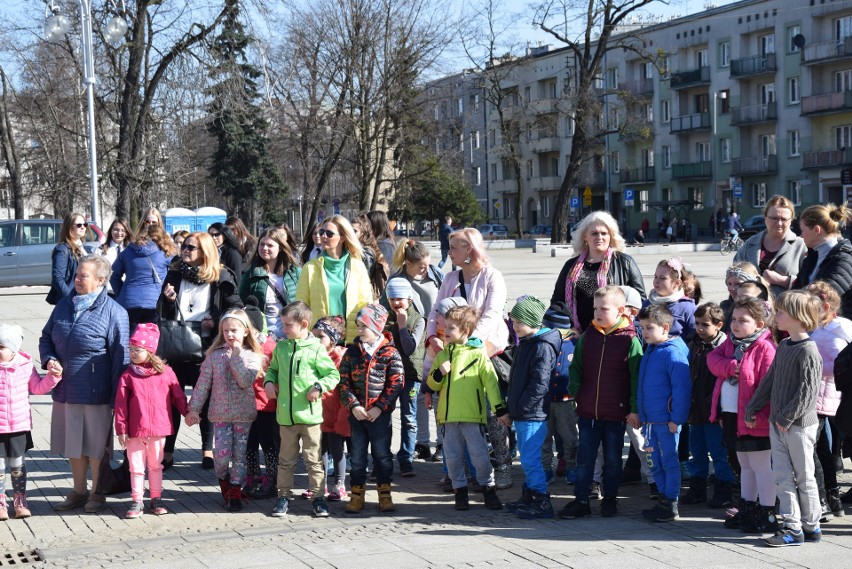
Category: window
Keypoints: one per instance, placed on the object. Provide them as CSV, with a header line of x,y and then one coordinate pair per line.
x,y
476,139
725,54
767,44
476,102
643,200
758,195
702,103
767,145
612,78
666,194
437,112
614,121
767,93
492,138
461,142
792,32
494,172
647,70
554,166
648,157
569,126
615,162
795,192
667,156
478,176
527,94
793,137
701,58
724,150
842,137
724,101
842,28
702,151
545,206
696,195
529,169
598,82
461,106
665,111
843,81
649,113
793,90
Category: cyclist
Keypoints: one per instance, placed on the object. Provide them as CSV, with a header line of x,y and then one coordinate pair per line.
x,y
733,225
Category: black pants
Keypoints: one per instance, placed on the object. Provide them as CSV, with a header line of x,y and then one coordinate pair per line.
x,y
187,374
266,434
825,470
137,316
729,437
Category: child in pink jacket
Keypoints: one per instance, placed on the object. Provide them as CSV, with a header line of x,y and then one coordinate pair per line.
x,y
143,416
18,378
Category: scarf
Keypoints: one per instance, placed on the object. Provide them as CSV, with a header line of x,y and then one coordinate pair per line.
x,y
82,302
575,274
143,370
674,297
740,346
190,273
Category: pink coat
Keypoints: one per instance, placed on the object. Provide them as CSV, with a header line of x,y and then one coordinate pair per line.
x,y
755,363
830,339
18,379
143,404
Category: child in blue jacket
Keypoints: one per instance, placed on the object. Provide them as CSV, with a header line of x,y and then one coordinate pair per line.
x,y
663,398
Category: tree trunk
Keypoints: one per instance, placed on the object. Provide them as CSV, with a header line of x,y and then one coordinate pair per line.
x,y
562,209
10,153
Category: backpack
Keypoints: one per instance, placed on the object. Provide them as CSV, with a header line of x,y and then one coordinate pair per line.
x,y
559,378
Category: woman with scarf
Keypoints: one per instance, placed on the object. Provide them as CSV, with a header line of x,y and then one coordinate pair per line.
x,y
198,287
600,261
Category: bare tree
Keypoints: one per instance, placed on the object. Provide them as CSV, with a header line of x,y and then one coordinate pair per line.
x,y
8,147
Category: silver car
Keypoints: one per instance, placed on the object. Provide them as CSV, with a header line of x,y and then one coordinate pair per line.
x,y
26,246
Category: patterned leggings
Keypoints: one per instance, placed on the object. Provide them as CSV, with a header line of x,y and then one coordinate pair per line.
x,y
19,475
230,441
264,433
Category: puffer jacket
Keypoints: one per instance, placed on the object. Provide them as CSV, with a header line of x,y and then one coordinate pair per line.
x,y
227,381
295,367
665,389
753,367
604,372
830,339
786,261
255,282
529,377
63,268
703,380
143,403
18,378
836,270
312,289
463,390
92,350
371,381
144,268
683,317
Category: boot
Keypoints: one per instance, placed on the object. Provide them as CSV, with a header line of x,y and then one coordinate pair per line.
x,y
750,523
224,488
697,493
22,509
735,516
524,500
667,510
652,513
835,503
4,512
492,501
462,502
234,501
538,508
356,499
722,497
767,522
827,515
385,501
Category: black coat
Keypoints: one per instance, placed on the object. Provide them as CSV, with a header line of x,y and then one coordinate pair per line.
x,y
223,295
836,270
529,379
703,381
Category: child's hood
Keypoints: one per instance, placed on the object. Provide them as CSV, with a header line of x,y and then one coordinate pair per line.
x,y
547,336
623,324
674,345
18,360
146,249
474,343
841,328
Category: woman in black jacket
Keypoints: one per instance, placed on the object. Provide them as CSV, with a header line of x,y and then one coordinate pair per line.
x,y
229,248
600,261
829,256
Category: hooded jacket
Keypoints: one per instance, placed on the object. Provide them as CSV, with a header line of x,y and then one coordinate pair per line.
x,y
665,389
371,380
143,403
18,378
144,269
529,377
703,380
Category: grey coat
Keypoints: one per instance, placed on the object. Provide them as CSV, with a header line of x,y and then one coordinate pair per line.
x,y
786,261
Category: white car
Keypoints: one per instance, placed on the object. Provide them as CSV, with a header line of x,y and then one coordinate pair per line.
x,y
494,231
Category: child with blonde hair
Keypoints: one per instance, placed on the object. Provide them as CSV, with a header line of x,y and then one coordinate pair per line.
x,y
669,291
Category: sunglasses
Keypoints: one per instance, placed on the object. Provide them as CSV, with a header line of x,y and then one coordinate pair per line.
x,y
188,247
326,233
151,222
214,233
79,225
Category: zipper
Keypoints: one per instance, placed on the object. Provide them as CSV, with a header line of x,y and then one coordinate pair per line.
x,y
449,384
479,401
290,383
600,366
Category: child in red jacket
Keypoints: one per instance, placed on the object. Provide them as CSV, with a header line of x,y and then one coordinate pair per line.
x,y
335,417
143,416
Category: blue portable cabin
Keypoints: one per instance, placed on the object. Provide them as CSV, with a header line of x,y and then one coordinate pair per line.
x,y
179,219
207,216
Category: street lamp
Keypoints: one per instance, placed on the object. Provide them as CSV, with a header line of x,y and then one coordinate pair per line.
x,y
56,26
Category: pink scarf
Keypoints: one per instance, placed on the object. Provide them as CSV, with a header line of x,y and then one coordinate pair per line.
x,y
575,274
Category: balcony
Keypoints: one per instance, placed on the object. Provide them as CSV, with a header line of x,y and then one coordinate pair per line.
x,y
827,51
545,183
545,106
547,144
692,170
827,159
639,88
595,180
754,65
692,78
751,114
754,165
698,121
826,103
505,186
637,175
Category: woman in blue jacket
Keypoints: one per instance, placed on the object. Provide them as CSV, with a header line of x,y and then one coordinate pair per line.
x,y
66,255
84,341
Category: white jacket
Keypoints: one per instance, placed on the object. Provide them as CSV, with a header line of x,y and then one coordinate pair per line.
x,y
830,339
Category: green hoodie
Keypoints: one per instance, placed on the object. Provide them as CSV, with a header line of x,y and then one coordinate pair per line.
x,y
463,390
295,366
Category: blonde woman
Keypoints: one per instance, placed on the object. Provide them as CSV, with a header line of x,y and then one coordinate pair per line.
x,y
66,255
336,283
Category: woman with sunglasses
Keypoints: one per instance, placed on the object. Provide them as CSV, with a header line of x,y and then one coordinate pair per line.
x,y
67,253
152,216
336,282
229,248
201,290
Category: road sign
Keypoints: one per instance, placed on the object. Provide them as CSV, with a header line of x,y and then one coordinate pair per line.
x,y
575,202
587,200
498,205
846,176
738,191
587,193
628,196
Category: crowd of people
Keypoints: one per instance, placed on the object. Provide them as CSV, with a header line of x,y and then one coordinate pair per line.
x,y
306,350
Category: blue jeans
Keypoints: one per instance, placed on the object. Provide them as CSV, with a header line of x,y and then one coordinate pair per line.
x,y
663,458
530,440
376,436
707,439
593,433
408,421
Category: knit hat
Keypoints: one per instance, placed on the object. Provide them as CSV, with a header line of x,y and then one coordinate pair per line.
x,y
255,315
445,304
556,317
146,335
632,298
374,317
399,288
528,310
11,336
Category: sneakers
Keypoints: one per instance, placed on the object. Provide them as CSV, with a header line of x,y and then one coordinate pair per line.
x,y
575,509
835,503
524,500
595,491
492,501
281,507
503,477
571,476
135,510
697,493
539,508
320,508
785,537
22,509
406,469
609,507
157,507
722,495
439,454
422,452
4,509
337,494
813,536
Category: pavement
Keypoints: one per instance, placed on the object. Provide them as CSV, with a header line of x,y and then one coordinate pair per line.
x,y
425,531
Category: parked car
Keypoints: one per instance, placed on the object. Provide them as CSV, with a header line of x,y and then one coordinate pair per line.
x,y
494,231
26,246
405,233
753,225
540,230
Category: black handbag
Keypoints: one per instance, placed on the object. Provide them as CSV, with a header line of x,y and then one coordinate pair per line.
x,y
113,479
180,341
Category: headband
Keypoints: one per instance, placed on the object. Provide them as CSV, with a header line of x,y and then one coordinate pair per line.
x,y
241,318
329,330
675,264
741,275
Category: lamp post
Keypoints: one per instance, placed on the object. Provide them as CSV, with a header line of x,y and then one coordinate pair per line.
x,y
56,25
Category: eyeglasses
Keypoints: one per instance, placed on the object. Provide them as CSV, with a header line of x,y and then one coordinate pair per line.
x,y
188,247
778,219
136,350
327,233
214,234
79,225
152,222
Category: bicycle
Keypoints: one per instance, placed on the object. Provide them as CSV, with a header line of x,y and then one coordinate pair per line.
x,y
729,245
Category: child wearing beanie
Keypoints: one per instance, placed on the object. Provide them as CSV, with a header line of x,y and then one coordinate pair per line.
x,y
529,401
147,390
371,377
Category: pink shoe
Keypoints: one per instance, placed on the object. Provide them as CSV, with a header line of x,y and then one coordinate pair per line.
x,y
338,494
